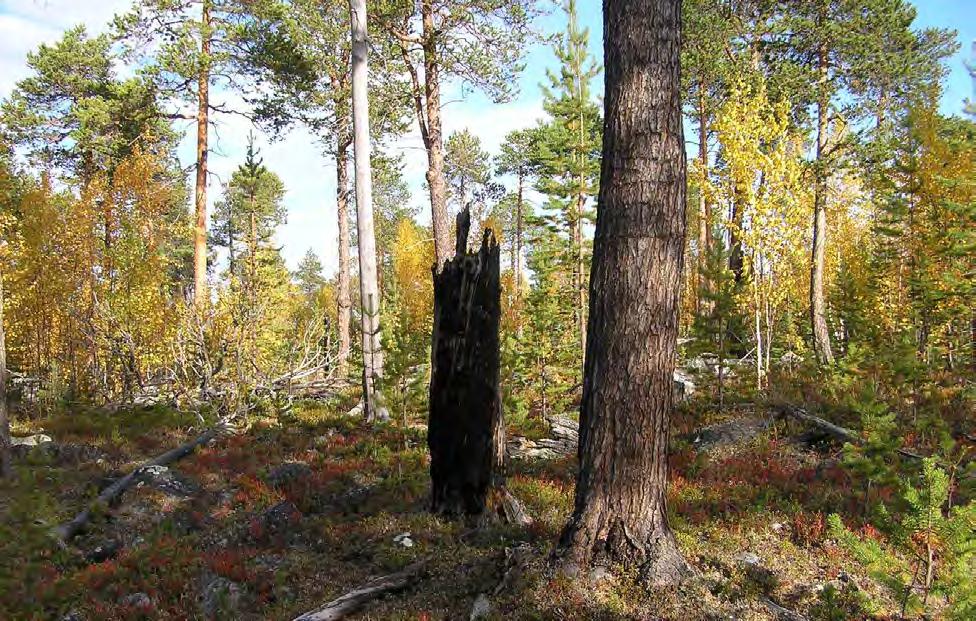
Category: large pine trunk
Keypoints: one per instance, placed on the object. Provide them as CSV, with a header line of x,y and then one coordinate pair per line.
x,y
620,514
464,431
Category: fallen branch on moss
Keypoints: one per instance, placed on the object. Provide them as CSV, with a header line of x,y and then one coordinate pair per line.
x,y
840,433
779,613
352,601
68,530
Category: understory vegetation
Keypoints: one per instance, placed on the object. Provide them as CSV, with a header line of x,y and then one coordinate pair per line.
x,y
723,362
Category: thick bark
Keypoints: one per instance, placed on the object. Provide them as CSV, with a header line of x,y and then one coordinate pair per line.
x,y
368,288
620,513
433,136
5,468
344,300
200,295
464,434
818,315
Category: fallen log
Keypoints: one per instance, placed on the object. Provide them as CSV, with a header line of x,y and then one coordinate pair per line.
x,y
68,530
779,613
840,433
352,601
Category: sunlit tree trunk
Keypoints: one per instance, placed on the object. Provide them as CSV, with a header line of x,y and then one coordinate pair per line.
x,y
5,461
818,315
620,512
434,137
200,294
704,209
373,408
344,301
519,211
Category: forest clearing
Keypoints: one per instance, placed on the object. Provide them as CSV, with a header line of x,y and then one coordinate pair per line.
x,y
487,309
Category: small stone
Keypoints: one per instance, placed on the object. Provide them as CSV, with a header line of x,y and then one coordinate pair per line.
x,y
568,569
104,551
481,608
221,596
139,601
404,540
166,481
747,559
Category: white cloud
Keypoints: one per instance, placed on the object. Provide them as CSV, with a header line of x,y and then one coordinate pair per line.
x,y
25,24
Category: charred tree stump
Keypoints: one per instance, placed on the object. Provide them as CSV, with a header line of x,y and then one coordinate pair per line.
x,y
465,403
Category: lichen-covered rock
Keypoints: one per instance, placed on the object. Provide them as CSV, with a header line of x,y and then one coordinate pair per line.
x,y
737,431
275,523
288,473
166,481
221,598
138,601
34,440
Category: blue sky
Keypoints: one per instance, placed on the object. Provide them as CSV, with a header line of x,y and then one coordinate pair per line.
x,y
309,177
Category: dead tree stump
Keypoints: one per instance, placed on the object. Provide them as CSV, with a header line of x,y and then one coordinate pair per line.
x,y
464,432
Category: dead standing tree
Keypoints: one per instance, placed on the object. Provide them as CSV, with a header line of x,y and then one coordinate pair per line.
x,y
464,434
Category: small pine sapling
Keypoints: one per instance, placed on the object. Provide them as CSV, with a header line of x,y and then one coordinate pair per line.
x,y
928,551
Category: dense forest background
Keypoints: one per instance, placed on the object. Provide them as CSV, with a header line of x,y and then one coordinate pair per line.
x,y
829,276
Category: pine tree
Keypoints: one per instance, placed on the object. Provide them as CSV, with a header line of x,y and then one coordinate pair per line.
x,y
74,116
620,513
6,468
477,42
546,355
467,169
195,45
515,159
309,275
567,150
711,328
837,45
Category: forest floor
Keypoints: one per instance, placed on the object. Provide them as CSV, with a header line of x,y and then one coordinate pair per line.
x,y
294,512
